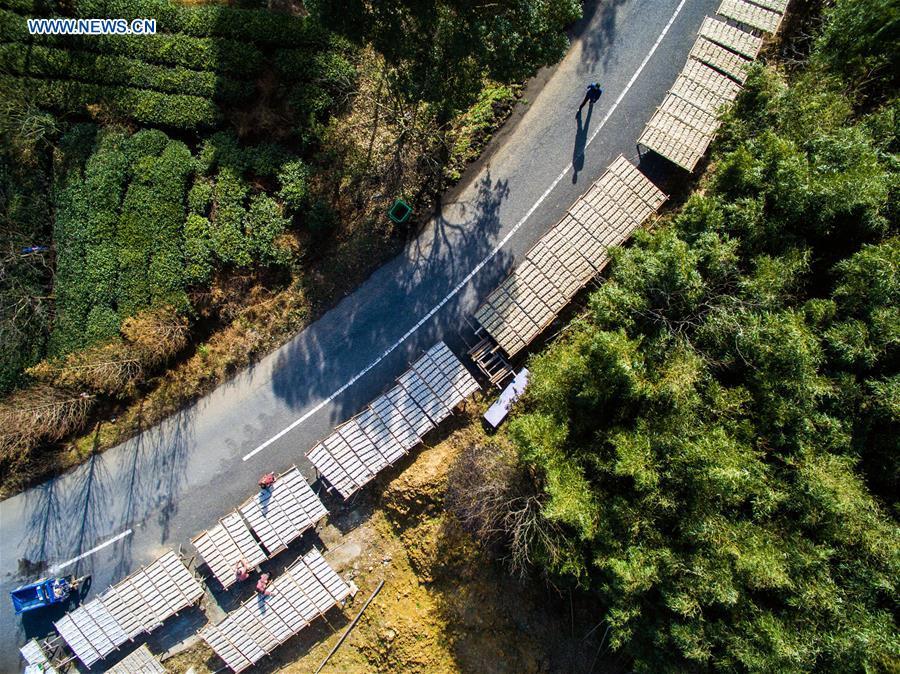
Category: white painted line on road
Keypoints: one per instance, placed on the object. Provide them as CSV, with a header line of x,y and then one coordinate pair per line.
x,y
459,286
57,567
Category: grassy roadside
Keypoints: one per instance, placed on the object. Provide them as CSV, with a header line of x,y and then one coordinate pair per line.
x,y
382,147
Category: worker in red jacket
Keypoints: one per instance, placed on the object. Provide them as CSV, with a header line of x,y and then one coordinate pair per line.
x,y
262,585
241,570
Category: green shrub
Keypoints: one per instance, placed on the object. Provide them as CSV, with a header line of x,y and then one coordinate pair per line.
x,y
293,179
13,27
105,175
226,230
209,21
166,275
26,6
30,7
102,324
263,224
200,196
155,109
70,284
166,272
266,159
330,68
237,59
55,63
197,249
102,270
860,41
223,150
244,25
87,213
239,235
150,230
175,111
145,143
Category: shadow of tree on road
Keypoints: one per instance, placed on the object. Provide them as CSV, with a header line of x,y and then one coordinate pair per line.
x,y
353,334
600,17
68,515
64,513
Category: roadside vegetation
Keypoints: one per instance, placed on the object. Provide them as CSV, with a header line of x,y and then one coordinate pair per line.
x,y
711,450
176,205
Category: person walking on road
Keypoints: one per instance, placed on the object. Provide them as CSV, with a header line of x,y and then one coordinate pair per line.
x,y
591,95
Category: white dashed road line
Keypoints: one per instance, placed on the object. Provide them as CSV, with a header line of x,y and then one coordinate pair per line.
x,y
459,286
57,567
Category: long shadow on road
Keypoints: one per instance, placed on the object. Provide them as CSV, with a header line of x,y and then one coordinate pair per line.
x,y
581,136
70,514
365,324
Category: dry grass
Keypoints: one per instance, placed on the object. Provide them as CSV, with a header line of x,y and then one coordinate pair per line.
x,y
380,149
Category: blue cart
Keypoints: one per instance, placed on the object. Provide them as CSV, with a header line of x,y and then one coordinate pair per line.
x,y
44,592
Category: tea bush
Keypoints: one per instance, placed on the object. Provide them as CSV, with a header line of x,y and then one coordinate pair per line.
x,y
153,108
54,63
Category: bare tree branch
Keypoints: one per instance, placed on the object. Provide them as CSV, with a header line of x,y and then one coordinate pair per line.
x,y
40,413
494,498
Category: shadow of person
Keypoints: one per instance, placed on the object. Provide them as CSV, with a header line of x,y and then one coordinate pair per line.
x,y
265,499
581,134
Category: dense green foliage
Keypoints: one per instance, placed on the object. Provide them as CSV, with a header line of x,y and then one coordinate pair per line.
x,y
134,218
201,54
58,63
717,443
206,146
152,108
126,242
862,43
203,61
442,49
241,25
294,179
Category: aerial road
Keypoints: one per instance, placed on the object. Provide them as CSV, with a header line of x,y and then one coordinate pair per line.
x,y
151,494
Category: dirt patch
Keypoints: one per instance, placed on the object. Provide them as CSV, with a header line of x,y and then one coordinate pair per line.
x,y
418,492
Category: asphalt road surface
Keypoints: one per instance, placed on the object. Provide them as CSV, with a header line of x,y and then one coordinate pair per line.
x,y
176,479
